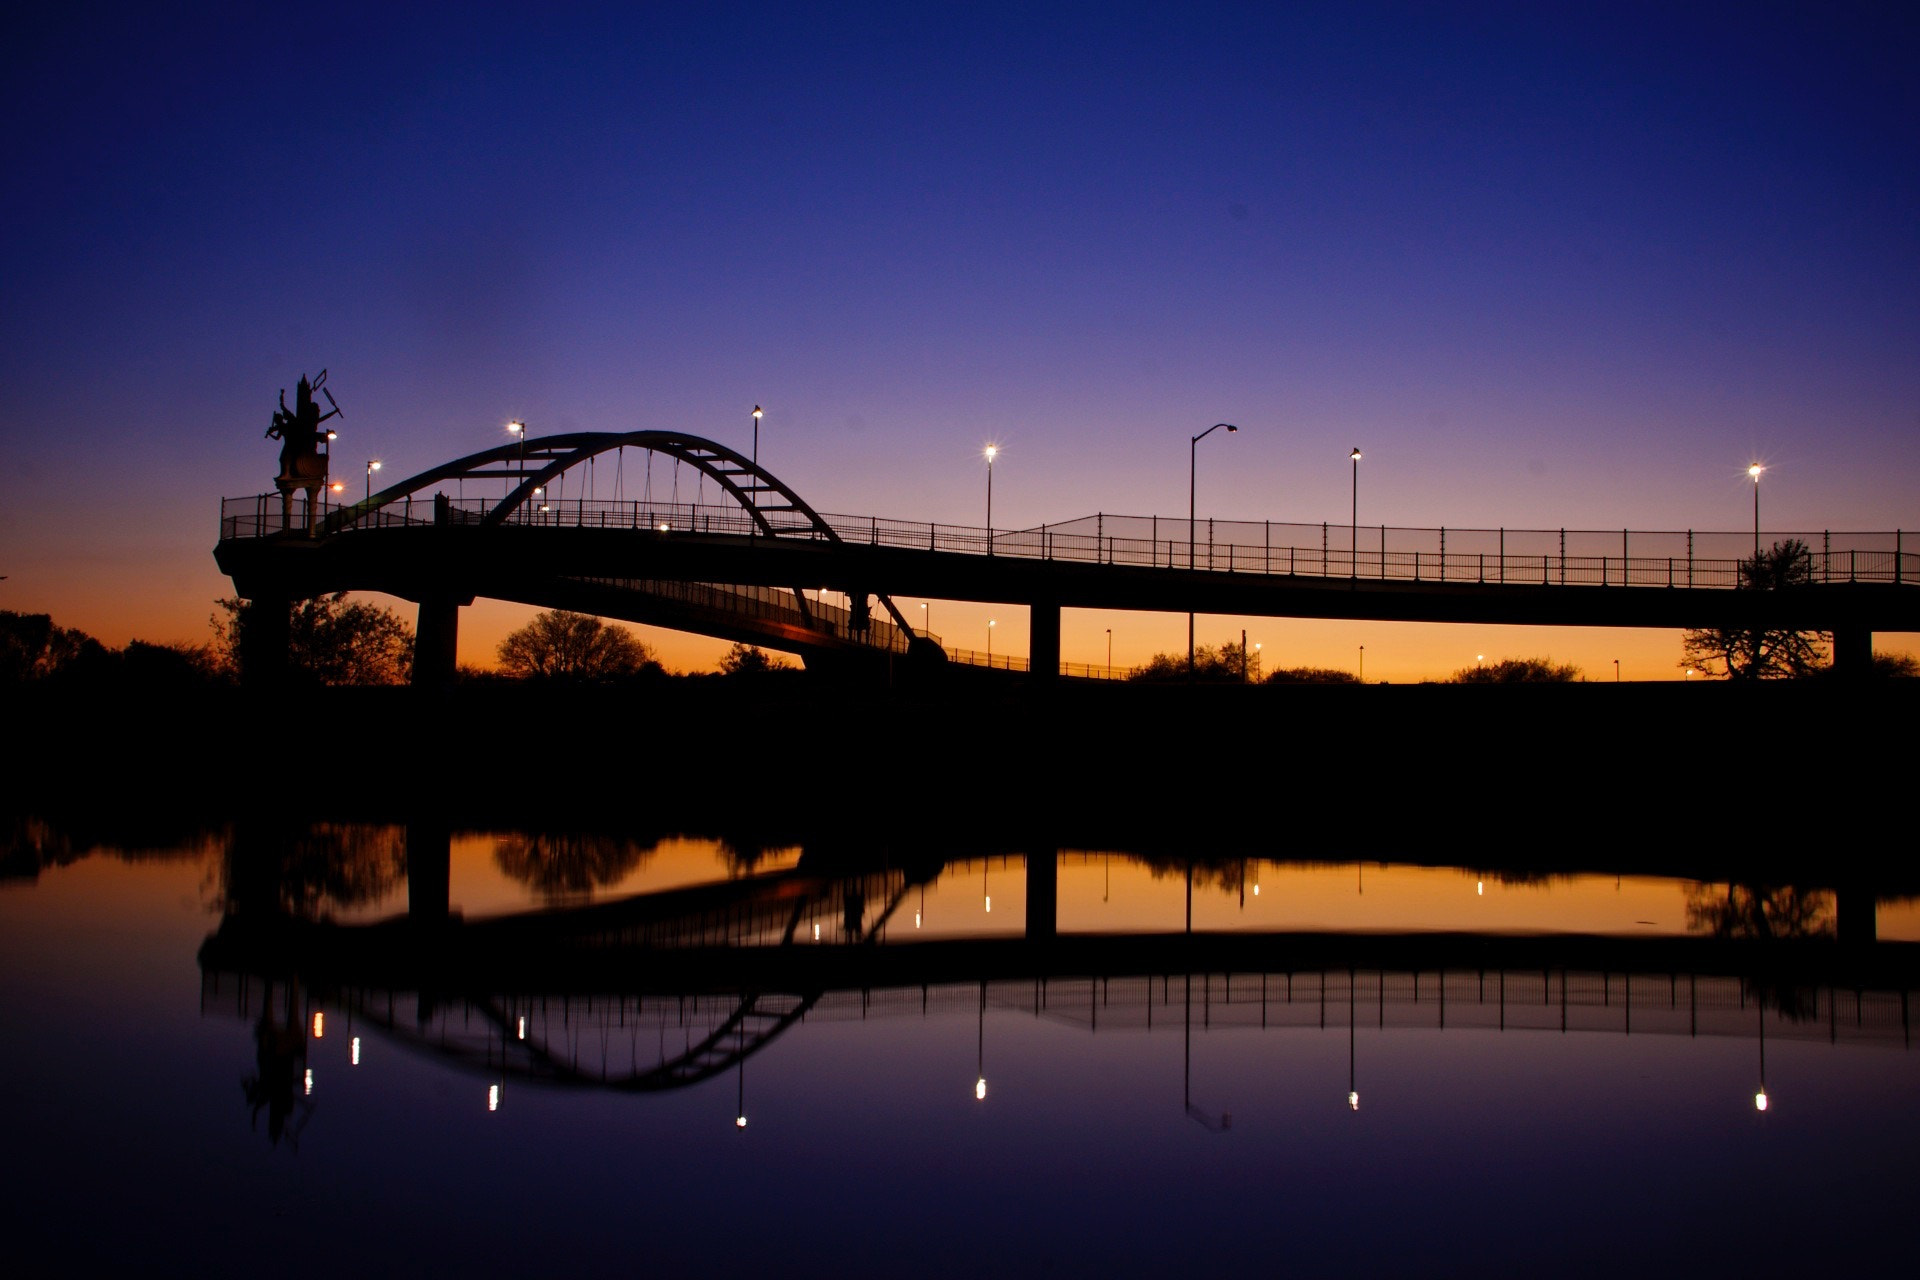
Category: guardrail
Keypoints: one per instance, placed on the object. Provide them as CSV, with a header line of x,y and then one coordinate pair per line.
x,y
1537,557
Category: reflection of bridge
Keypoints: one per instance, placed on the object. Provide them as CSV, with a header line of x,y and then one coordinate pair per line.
x,y
740,567
665,990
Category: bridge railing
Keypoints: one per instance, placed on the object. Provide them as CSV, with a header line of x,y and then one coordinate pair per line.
x,y
773,604
1537,557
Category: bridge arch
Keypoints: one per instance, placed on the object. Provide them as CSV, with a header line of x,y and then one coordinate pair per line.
x,y
529,467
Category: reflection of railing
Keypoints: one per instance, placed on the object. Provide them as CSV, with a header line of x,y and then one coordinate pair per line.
x,y
1514,557
653,1042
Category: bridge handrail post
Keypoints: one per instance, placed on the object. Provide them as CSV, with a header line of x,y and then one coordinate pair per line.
x,y
1443,553
1826,555
1503,553
1669,573
1899,555
1323,548
1563,557
1689,557
1483,568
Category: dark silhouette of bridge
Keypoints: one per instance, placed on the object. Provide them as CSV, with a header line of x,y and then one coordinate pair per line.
x,y
740,564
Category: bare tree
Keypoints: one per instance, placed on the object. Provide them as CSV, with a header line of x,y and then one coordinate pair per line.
x,y
573,646
1762,653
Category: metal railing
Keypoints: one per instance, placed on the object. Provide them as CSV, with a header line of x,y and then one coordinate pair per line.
x,y
1512,557
772,604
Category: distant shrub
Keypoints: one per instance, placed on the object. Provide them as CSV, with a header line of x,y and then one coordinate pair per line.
x,y
1518,671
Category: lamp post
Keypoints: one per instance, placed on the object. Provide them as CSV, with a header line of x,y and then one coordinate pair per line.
x,y
757,411
1193,451
1755,471
518,430
1616,671
1353,529
989,644
1363,664
926,620
1109,653
372,467
991,451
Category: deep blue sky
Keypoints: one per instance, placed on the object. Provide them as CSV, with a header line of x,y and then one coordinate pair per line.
x,y
1548,265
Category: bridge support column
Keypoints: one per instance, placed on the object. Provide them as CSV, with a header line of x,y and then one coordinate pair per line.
x,y
429,870
1043,641
435,642
1857,915
1043,895
264,642
1852,652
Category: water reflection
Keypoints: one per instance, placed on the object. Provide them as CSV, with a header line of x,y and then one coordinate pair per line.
x,y
624,974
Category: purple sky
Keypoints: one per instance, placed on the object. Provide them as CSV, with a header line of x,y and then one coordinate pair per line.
x,y
1547,265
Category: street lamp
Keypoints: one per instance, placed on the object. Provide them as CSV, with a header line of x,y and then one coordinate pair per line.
x,y
372,467
1363,664
989,644
992,451
757,411
1755,471
1193,450
1616,671
1353,530
518,429
926,620
1109,653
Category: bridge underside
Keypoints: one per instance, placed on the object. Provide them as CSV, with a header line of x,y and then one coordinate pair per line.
x,y
629,574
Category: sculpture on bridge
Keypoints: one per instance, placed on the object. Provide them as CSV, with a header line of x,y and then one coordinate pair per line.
x,y
302,464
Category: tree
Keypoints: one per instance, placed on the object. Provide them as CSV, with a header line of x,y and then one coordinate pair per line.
x,y
1518,671
1762,653
330,640
745,660
32,648
573,646
1313,675
1225,664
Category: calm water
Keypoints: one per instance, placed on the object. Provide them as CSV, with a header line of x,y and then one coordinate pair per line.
x,y
956,1067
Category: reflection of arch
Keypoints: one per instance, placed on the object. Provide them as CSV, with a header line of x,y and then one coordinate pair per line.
x,y
533,465
756,1020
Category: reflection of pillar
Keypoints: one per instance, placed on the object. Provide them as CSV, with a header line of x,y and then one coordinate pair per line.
x,y
429,869
434,643
1043,640
1043,893
1852,651
1857,916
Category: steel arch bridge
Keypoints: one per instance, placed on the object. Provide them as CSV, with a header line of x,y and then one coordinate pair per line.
x,y
272,550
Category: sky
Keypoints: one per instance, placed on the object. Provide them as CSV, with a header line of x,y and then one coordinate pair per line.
x,y
1547,265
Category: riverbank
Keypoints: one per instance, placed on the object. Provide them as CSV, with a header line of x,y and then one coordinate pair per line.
x,y
1711,774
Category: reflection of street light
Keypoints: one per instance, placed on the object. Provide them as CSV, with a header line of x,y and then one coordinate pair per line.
x,y
980,1065
992,451
740,1099
1353,1090
1755,471
1193,450
1760,1097
1353,530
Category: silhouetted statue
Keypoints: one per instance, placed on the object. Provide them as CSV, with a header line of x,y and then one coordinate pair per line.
x,y
302,466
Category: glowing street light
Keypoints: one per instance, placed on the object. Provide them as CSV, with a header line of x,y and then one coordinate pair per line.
x,y
757,411
1755,471
1109,653
1193,450
1353,530
992,451
990,626
518,430
372,466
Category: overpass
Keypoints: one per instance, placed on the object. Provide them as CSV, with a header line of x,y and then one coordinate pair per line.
x,y
718,545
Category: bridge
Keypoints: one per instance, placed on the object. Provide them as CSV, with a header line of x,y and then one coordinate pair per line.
x,y
718,545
